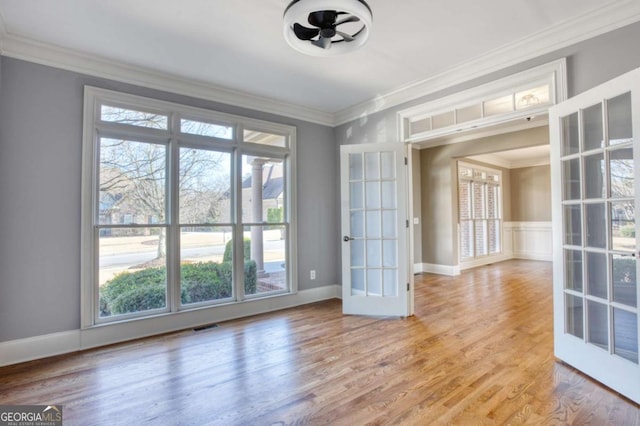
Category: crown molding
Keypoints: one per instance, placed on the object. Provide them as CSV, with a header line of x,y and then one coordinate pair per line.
x,y
71,60
611,16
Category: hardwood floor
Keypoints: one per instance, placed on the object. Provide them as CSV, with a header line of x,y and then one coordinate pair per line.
x,y
478,351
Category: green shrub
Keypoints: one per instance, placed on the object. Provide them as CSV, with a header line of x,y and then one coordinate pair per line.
x,y
140,298
143,290
226,257
205,281
628,231
250,277
114,294
274,215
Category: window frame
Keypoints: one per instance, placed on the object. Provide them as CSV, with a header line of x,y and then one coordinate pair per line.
x,y
472,181
173,138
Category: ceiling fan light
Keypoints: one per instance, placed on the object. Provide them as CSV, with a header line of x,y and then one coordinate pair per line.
x,y
298,12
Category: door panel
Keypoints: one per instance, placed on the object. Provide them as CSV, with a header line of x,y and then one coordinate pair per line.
x,y
374,249
594,153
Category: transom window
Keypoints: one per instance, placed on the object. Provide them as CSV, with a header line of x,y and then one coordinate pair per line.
x,y
516,101
182,208
524,94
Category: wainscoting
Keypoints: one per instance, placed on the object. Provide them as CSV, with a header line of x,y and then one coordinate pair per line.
x,y
528,240
520,240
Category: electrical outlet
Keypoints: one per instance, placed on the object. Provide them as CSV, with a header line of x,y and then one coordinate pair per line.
x,y
312,274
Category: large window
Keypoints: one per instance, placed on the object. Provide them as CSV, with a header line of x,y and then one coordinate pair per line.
x,y
183,208
479,209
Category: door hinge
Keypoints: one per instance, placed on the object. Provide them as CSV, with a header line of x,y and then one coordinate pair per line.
x,y
407,286
406,161
407,223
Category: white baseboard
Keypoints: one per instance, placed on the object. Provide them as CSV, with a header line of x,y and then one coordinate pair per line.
x,y
485,261
418,268
544,256
15,351
21,350
450,270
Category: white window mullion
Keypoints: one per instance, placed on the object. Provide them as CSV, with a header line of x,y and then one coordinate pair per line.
x,y
121,226
238,228
173,218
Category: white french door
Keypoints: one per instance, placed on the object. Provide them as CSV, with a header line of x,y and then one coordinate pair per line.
x,y
375,265
595,164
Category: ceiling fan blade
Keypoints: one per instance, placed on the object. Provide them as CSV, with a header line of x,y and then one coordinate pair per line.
x,y
323,18
304,33
349,19
345,36
323,42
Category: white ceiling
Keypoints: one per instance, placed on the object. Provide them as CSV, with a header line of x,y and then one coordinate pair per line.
x,y
240,45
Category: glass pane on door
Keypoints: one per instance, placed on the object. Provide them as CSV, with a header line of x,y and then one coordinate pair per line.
x,y
373,207
390,279
594,136
592,127
598,324
597,274
598,213
596,225
619,119
355,167
594,176
572,225
625,286
623,226
574,315
625,330
573,271
621,169
571,177
570,139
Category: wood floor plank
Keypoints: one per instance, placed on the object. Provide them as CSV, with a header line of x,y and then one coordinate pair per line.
x,y
478,351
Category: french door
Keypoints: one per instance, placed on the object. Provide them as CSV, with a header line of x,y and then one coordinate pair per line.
x,y
375,265
595,148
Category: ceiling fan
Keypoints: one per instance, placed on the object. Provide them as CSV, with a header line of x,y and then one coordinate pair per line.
x,y
327,27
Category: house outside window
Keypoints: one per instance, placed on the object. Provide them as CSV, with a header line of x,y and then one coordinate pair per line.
x,y
183,208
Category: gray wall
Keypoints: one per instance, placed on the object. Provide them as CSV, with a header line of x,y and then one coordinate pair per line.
x,y
589,63
40,176
531,194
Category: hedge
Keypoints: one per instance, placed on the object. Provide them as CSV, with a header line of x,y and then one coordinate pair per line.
x,y
628,231
226,257
143,290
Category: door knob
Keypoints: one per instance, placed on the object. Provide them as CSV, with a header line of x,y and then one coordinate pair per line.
x,y
347,238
